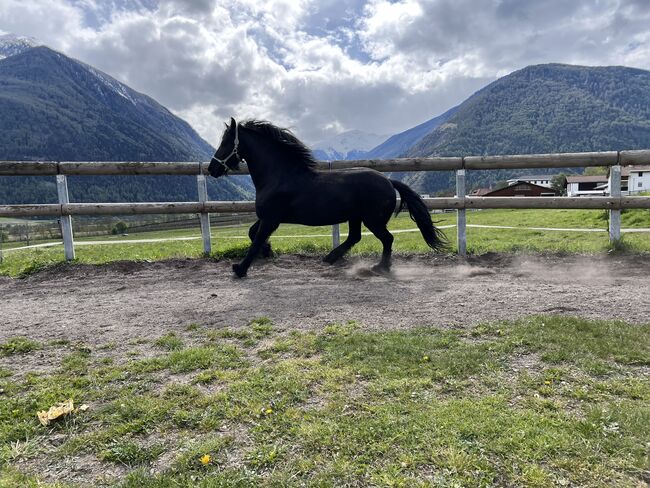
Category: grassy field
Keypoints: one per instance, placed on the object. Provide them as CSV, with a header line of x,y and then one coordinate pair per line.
x,y
543,401
232,242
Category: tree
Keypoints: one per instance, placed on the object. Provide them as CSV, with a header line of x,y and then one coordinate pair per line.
x,y
595,171
119,228
558,183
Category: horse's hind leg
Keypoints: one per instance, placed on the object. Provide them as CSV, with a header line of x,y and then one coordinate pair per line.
x,y
265,252
381,232
354,236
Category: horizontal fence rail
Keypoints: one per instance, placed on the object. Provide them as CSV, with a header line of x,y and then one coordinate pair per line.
x,y
65,210
559,160
57,210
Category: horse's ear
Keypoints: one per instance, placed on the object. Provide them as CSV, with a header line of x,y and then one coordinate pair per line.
x,y
232,122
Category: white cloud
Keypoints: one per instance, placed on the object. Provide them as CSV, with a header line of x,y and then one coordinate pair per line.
x,y
321,66
55,22
498,35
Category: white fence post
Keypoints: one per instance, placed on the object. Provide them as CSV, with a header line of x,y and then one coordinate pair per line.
x,y
204,216
66,220
615,214
336,230
461,218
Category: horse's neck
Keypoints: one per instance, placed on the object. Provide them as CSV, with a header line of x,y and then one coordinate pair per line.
x,y
265,164
258,168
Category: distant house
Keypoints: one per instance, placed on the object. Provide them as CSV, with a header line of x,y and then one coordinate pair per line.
x,y
522,189
635,179
578,186
541,180
479,192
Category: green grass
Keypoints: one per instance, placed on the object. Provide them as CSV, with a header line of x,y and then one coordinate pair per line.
x,y
18,345
169,341
542,401
130,453
231,243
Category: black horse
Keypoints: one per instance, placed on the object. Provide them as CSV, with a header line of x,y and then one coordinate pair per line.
x,y
291,189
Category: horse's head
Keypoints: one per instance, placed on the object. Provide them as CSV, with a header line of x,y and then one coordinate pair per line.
x,y
227,156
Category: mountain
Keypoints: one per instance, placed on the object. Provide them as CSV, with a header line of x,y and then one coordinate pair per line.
x,y
401,143
57,108
353,144
11,44
542,109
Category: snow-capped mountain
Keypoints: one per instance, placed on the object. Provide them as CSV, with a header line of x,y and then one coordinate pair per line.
x,y
352,144
103,119
112,85
57,108
398,145
11,44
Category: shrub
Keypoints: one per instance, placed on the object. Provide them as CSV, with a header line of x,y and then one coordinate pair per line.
x,y
119,228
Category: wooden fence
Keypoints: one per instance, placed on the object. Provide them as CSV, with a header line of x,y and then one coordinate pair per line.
x,y
65,210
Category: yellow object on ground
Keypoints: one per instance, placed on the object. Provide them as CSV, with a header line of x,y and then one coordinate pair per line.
x,y
57,411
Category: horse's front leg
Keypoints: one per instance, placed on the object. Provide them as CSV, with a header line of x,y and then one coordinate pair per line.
x,y
264,231
252,232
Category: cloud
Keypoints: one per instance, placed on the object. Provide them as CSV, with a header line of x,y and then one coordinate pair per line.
x,y
322,66
498,35
190,7
65,22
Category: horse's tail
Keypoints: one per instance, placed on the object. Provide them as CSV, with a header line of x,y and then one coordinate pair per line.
x,y
434,237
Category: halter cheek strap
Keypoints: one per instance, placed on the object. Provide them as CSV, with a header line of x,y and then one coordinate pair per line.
x,y
234,152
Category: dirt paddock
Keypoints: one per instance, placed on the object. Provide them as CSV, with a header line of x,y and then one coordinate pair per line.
x,y
126,300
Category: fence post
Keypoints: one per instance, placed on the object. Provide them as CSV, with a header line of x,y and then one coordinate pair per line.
x,y
461,218
66,220
204,216
336,230
615,214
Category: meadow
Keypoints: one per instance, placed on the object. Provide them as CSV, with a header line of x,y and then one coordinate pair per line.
x,y
295,239
542,401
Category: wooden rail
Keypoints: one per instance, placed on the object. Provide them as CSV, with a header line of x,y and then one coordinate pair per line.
x,y
65,210
559,160
58,210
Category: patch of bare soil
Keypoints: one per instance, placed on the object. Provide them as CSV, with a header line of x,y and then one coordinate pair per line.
x,y
123,301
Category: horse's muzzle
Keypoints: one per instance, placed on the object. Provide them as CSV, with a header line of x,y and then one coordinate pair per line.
x,y
215,168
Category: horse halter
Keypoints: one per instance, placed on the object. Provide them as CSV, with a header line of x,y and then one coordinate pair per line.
x,y
234,152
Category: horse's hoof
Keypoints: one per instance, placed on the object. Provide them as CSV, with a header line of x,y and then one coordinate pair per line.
x,y
266,251
329,259
381,269
239,270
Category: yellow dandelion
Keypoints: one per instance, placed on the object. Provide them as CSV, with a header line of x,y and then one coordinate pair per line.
x,y
205,459
426,358
268,411
547,382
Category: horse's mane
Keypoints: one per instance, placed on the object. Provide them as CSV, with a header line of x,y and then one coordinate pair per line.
x,y
294,151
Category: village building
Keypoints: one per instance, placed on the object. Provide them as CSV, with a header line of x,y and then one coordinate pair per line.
x,y
541,180
635,179
578,186
522,189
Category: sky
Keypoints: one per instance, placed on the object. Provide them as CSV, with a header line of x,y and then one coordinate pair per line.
x,y
321,67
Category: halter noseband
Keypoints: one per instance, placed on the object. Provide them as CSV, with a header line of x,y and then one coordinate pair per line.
x,y
234,152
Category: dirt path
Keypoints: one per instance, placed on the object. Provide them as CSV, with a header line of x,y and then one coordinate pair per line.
x,y
123,301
